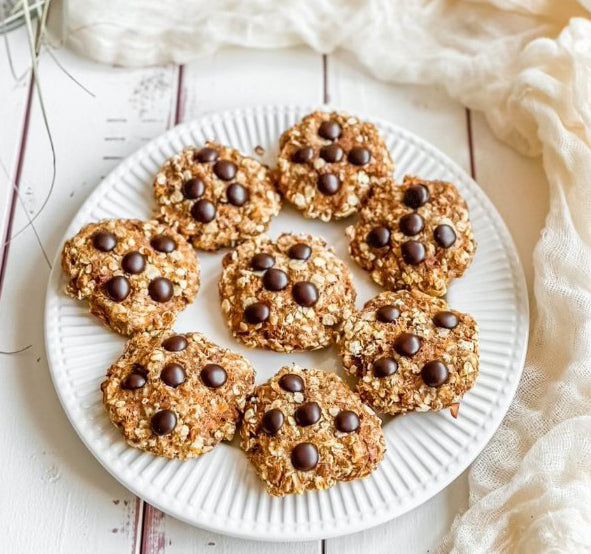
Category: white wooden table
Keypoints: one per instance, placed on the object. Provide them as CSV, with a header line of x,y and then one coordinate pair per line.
x,y
54,496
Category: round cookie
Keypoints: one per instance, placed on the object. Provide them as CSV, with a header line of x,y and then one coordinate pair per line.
x,y
329,161
137,275
410,351
286,295
176,395
304,429
215,196
414,235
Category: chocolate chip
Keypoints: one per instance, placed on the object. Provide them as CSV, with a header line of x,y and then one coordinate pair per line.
x,y
260,262
203,210
104,241
378,237
163,422
411,224
308,414
135,380
258,312
133,262
444,235
272,421
447,320
291,383
275,279
160,289
407,344
305,293
303,155
388,313
206,155
237,195
163,243
415,196
330,130
384,367
413,252
347,421
299,251
304,456
193,188
118,288
434,373
225,169
213,376
328,184
176,343
359,155
332,153
173,375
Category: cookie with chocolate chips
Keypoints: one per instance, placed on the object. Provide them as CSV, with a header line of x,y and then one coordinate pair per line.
x,y
285,295
329,161
414,235
410,352
176,395
304,429
136,275
215,196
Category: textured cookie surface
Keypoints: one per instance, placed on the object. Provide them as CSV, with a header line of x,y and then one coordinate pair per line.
x,y
137,275
414,235
215,196
286,295
305,429
410,351
176,395
329,161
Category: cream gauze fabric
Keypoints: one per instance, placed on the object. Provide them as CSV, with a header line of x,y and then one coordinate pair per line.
x,y
527,65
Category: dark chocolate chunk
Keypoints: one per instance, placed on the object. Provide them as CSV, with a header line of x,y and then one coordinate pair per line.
x,y
213,376
328,184
434,373
275,279
305,293
299,251
203,211
383,367
303,155
160,289
378,237
413,252
444,235
206,155
225,169
411,224
258,312
163,422
133,262
447,320
387,313
330,130
359,155
407,344
347,421
332,153
237,195
415,196
118,288
173,375
163,243
104,241
272,421
304,456
262,261
176,343
291,383
308,414
193,188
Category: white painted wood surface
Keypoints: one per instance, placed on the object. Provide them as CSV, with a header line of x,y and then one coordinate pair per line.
x,y
57,498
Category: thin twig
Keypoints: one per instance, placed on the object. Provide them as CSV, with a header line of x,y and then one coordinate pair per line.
x,y
34,46
49,50
11,352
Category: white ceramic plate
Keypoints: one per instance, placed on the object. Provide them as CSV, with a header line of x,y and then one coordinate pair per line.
x,y
220,491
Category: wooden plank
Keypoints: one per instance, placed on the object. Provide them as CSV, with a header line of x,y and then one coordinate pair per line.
x,y
61,499
431,114
517,186
234,78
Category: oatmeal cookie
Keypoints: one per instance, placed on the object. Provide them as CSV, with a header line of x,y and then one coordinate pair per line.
x,y
410,351
286,295
215,196
176,395
414,235
136,275
329,161
304,429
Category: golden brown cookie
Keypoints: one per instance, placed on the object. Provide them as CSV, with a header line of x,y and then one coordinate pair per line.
x,y
136,275
410,351
176,395
329,161
286,295
215,196
414,235
304,429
